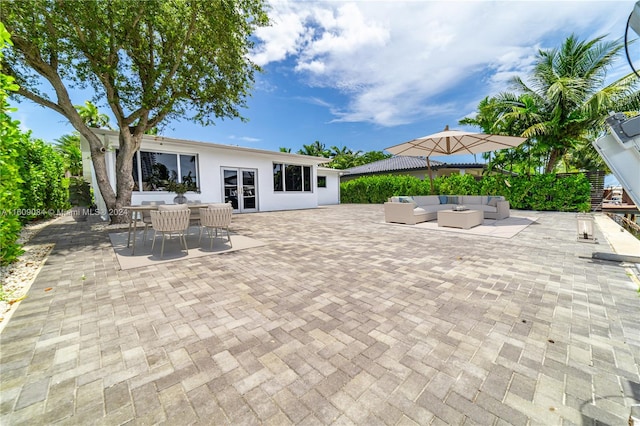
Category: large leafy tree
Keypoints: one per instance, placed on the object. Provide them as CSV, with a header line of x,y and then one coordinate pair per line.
x,y
565,99
149,61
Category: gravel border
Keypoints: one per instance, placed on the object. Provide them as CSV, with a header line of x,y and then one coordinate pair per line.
x,y
17,277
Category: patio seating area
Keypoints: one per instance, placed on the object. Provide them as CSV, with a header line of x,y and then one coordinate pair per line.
x,y
337,318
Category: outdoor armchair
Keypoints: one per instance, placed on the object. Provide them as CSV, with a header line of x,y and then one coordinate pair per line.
x,y
169,222
214,217
146,217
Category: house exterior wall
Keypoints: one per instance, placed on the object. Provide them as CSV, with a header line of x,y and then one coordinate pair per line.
x,y
212,159
331,193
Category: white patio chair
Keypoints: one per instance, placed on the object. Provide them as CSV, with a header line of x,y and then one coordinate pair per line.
x,y
146,217
169,222
195,213
213,218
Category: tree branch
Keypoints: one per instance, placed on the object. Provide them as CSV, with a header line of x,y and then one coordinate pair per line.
x,y
40,100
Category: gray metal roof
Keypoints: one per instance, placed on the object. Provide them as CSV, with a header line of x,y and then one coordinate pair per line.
x,y
403,163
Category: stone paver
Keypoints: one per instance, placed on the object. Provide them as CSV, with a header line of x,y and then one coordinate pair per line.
x,y
338,319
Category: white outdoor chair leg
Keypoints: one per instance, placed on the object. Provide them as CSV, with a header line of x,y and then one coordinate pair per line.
x,y
184,239
162,249
153,244
229,238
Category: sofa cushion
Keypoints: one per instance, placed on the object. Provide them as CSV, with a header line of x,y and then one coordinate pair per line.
x,y
426,200
472,199
404,200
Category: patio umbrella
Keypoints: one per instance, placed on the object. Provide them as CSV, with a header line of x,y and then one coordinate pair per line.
x,y
454,142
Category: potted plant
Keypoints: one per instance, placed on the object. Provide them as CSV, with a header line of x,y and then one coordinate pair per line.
x,y
180,188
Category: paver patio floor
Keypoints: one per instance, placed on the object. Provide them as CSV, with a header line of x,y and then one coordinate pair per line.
x,y
338,319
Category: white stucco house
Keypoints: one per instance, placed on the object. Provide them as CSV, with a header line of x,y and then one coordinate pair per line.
x,y
251,179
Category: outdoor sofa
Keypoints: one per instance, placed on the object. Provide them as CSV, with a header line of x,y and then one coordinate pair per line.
x,y
423,208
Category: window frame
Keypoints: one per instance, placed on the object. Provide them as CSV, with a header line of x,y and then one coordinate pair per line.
x,y
280,179
324,181
137,161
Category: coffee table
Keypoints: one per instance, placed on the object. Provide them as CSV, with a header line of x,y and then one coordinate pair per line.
x,y
464,219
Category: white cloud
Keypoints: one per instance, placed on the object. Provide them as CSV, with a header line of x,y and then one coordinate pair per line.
x,y
244,138
395,60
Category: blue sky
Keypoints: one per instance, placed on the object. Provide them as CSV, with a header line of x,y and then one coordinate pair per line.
x,y
372,74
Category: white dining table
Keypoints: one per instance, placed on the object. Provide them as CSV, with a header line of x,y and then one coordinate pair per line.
x,y
133,220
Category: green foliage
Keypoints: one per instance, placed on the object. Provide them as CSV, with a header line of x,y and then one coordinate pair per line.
x,y
340,157
345,158
44,189
316,149
69,147
539,192
377,189
560,106
457,184
10,137
550,192
91,116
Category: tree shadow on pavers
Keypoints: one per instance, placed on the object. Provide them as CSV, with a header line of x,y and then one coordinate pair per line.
x,y
595,414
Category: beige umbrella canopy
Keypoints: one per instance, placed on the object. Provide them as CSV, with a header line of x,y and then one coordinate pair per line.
x,y
454,142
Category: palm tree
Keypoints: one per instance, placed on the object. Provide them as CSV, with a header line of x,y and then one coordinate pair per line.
x,y
91,116
565,97
316,149
69,147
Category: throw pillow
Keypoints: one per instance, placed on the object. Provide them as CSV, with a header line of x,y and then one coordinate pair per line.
x,y
493,202
452,199
406,200
443,199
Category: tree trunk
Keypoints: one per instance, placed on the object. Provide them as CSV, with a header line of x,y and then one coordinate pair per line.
x,y
129,144
554,155
114,201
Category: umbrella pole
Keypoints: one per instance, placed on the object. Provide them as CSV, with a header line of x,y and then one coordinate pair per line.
x,y
430,175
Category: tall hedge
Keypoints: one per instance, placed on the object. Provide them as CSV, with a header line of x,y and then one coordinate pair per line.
x,y
538,192
32,183
45,190
377,189
10,137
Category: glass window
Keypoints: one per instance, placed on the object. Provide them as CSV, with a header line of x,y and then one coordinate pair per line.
x,y
322,181
307,178
278,178
291,178
152,171
188,172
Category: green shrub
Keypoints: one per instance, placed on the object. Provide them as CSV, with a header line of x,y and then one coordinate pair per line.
x,y
10,181
566,193
458,184
537,192
45,190
377,189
